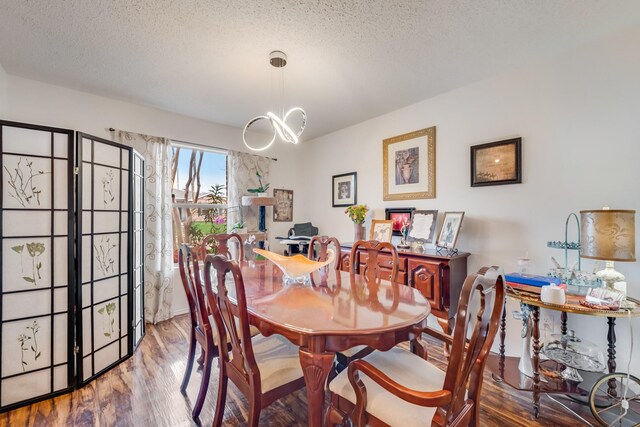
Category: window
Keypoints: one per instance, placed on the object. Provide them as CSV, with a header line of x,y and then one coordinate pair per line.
x,y
199,188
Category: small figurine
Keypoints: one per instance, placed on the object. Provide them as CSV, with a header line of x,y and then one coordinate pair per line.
x,y
404,231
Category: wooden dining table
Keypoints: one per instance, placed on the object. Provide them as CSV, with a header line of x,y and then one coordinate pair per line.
x,y
333,313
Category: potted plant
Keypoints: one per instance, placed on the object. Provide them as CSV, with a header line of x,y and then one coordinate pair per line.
x,y
261,191
239,227
357,214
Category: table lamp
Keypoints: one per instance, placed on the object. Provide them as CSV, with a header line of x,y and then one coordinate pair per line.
x,y
608,235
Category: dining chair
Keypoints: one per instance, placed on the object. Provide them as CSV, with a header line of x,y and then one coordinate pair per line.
x,y
387,394
321,255
372,270
372,273
222,245
201,330
263,368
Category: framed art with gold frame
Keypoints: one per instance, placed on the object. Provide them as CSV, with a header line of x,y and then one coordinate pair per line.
x,y
381,230
409,165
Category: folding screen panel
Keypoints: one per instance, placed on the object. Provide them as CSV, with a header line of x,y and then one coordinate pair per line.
x,y
71,284
37,278
138,250
104,225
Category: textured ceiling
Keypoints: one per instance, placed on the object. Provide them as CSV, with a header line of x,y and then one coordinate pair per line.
x,y
349,60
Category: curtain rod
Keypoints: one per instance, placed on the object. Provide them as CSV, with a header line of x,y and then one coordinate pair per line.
x,y
202,145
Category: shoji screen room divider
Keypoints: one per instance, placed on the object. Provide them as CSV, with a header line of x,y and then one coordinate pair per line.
x,y
71,257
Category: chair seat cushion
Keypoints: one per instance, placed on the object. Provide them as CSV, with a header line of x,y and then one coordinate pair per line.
x,y
405,368
277,359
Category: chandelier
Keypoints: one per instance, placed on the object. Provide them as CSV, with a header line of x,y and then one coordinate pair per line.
x,y
279,124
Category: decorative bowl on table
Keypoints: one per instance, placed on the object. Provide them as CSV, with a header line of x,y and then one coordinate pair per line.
x,y
574,353
296,269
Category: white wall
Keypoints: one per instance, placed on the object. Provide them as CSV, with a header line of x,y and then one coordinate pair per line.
x,y
45,104
3,91
579,119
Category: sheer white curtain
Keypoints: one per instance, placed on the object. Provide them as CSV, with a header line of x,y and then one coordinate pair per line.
x,y
158,238
241,172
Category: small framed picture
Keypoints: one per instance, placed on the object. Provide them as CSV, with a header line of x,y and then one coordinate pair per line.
x,y
497,163
423,225
449,230
283,209
345,190
381,230
399,217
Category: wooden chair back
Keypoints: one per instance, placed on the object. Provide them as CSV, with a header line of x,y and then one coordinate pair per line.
x,y
371,270
242,366
222,243
322,254
190,275
476,323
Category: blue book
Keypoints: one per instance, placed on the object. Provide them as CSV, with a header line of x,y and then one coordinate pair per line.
x,y
531,279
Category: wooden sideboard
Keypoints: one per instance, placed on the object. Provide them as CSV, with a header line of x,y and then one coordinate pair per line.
x,y
438,277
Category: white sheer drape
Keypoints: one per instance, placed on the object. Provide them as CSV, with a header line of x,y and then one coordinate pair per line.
x,y
158,250
241,170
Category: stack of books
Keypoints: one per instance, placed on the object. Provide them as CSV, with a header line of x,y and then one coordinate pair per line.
x,y
531,282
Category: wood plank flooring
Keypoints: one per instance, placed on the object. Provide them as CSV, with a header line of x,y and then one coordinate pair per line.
x,y
145,391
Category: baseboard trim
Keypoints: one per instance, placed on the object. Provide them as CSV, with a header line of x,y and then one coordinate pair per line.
x,y
180,312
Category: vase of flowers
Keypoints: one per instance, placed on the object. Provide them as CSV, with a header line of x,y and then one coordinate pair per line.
x,y
357,214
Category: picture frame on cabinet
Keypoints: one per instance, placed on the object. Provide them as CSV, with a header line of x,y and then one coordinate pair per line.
x,y
449,230
423,226
399,216
381,230
497,163
409,165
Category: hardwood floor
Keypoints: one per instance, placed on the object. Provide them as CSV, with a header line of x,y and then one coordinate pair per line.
x,y
145,391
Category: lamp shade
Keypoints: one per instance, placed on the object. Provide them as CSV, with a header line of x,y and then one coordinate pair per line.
x,y
608,235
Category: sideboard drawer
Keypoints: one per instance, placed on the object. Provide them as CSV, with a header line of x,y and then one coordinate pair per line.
x,y
385,261
385,274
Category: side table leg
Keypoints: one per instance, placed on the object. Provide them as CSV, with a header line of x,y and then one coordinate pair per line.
x,y
503,335
503,329
611,352
563,323
536,361
499,376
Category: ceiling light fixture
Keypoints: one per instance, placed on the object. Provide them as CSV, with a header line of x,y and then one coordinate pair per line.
x,y
279,125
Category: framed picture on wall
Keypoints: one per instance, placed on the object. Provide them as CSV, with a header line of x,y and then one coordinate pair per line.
x,y
496,163
345,189
381,230
409,165
283,209
449,230
399,217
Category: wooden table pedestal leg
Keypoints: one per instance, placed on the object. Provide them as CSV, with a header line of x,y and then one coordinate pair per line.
x,y
611,353
316,368
536,361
